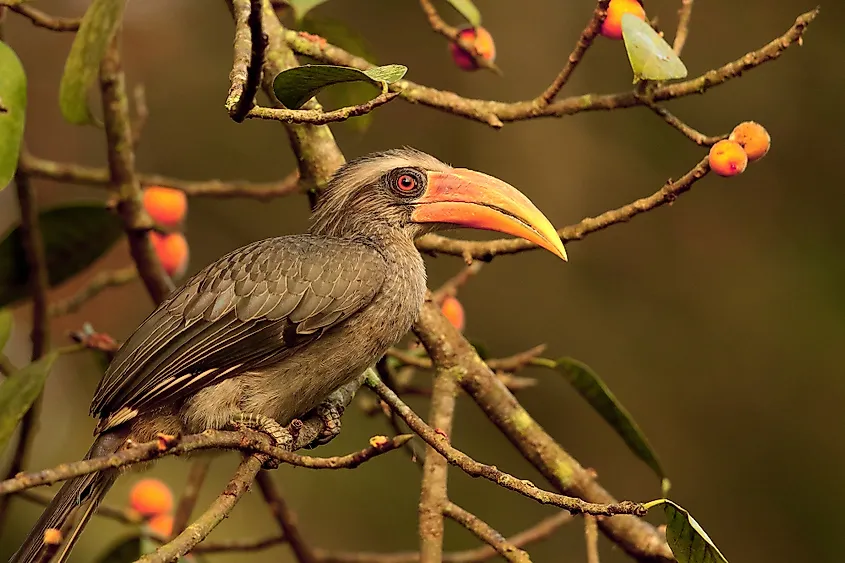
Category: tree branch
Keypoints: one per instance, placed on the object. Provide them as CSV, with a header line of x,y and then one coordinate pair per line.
x,y
591,536
190,494
124,181
101,281
690,133
319,117
684,15
496,113
433,489
248,50
38,279
485,533
486,250
449,349
246,441
538,532
41,19
475,469
78,174
452,34
286,519
219,509
590,32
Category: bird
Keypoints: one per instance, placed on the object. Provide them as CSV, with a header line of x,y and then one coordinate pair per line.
x,y
264,334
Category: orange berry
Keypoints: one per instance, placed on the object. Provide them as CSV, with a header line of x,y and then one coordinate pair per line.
x,y
52,536
481,40
727,158
161,523
752,137
165,205
612,25
172,250
151,497
454,311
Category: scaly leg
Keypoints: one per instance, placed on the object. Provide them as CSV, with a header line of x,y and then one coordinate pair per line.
x,y
329,412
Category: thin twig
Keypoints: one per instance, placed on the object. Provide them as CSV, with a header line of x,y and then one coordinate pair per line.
x,y
100,281
246,441
142,114
38,279
78,174
451,286
485,533
591,536
448,348
474,468
453,34
219,509
124,516
538,532
486,250
684,15
190,494
41,19
496,113
124,180
239,545
433,488
692,134
590,32
319,117
285,518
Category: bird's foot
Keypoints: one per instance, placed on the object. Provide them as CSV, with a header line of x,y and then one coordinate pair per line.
x,y
329,412
279,434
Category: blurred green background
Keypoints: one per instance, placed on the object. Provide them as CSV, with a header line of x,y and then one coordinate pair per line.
x,y
717,321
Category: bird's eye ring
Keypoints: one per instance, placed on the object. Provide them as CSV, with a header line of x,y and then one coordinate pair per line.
x,y
406,183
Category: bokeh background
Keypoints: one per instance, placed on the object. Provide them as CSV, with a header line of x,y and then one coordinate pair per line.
x,y
718,321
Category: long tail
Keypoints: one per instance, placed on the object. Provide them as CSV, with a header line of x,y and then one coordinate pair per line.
x,y
83,493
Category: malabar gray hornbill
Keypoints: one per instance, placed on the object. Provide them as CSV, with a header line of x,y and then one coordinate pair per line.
x,y
264,334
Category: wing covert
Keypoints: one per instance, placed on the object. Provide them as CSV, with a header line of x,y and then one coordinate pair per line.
x,y
249,308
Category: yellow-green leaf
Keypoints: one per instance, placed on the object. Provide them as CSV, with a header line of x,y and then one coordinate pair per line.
x,y
12,112
338,33
687,539
295,86
17,393
650,56
590,386
6,324
74,236
301,7
82,66
468,10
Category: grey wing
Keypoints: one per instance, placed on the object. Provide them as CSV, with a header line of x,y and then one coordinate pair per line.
x,y
250,308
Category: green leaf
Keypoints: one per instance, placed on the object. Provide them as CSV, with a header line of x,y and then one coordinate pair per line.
x,y
97,29
687,539
651,57
468,10
12,112
295,86
6,323
590,386
341,35
19,391
74,236
301,7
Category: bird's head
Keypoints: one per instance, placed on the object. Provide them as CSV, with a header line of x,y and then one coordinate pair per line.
x,y
407,193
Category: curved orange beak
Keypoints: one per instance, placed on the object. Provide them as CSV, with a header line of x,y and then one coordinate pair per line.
x,y
467,198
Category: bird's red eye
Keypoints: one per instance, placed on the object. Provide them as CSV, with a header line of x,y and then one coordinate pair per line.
x,y
406,183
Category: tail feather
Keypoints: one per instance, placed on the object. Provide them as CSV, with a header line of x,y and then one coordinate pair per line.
x,y
84,493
